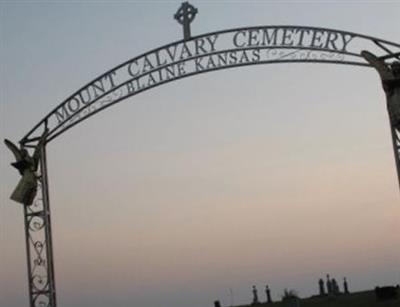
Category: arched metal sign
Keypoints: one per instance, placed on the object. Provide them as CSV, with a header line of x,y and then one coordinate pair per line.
x,y
184,58
205,53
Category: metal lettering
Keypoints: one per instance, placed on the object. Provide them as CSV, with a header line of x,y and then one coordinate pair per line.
x,y
130,69
211,64
346,41
302,32
244,58
185,52
199,46
88,96
316,39
173,53
147,66
71,107
130,87
170,72
232,58
61,114
331,40
222,59
198,65
253,35
162,63
110,78
97,87
158,59
235,39
256,55
181,68
151,81
287,37
269,39
212,40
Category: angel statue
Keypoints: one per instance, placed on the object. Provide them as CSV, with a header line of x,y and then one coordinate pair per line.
x,y
27,166
390,75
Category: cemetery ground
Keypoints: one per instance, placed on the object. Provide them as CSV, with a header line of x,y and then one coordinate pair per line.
x,y
357,299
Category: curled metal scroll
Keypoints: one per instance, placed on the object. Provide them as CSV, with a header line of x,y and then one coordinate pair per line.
x,y
41,301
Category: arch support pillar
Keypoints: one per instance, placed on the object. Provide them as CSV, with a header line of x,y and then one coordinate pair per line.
x,y
390,76
39,247
395,130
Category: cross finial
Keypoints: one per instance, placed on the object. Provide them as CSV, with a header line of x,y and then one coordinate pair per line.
x,y
185,15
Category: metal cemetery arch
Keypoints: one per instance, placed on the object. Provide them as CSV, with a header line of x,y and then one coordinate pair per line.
x,y
187,57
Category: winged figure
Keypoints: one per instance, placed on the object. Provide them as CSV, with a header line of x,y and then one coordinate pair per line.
x,y
390,75
27,165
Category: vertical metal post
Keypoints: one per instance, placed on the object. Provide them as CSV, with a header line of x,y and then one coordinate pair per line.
x,y
42,292
396,149
390,76
392,89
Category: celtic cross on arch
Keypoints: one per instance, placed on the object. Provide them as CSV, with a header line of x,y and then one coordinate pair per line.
x,y
185,15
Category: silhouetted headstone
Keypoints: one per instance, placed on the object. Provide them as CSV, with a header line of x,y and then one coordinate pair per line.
x,y
335,287
217,304
328,284
386,293
255,296
321,287
268,294
290,298
345,286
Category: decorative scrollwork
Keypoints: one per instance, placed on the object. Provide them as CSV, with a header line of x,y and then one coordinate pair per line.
x,y
116,94
37,203
303,55
332,56
36,223
39,282
38,247
42,300
39,261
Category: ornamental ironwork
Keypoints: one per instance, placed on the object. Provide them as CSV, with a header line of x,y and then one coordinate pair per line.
x,y
211,52
187,57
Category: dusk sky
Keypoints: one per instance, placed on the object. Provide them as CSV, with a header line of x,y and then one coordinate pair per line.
x,y
198,189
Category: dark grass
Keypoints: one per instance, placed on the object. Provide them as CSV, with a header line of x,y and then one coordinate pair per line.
x,y
358,299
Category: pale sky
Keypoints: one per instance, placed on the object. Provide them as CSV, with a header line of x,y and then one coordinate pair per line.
x,y
274,174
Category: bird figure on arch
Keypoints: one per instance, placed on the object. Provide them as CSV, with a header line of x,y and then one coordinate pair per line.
x,y
27,165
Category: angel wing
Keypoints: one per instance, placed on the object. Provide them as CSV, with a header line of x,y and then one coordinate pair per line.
x,y
14,149
383,69
21,163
